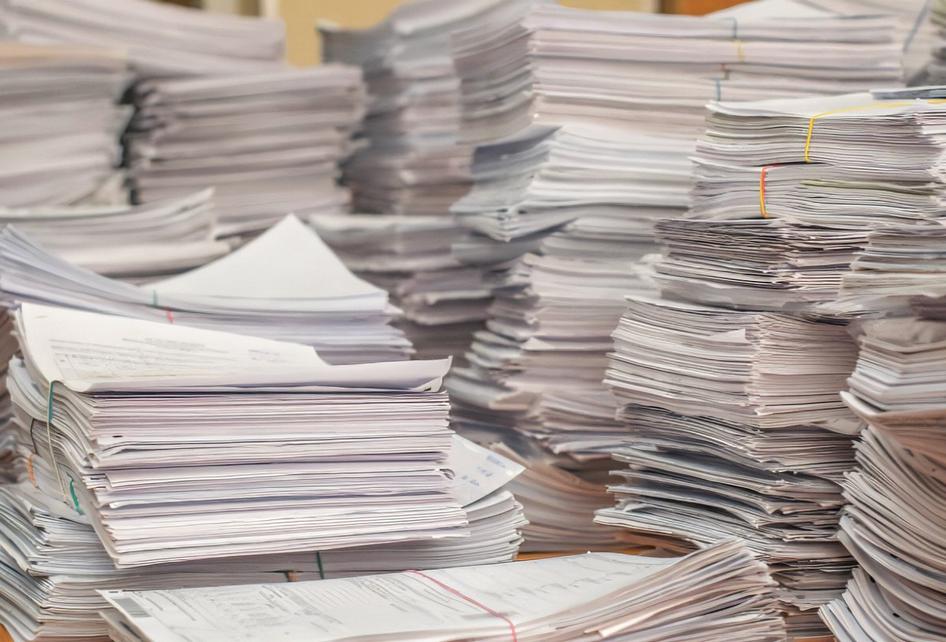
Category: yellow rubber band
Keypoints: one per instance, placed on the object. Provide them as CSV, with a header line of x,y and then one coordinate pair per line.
x,y
876,105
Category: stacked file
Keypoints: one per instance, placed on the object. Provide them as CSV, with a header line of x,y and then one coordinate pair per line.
x,y
183,444
162,40
62,123
410,171
412,163
126,241
285,285
897,386
737,430
892,525
714,595
902,268
53,563
269,142
915,32
562,65
894,529
443,300
585,121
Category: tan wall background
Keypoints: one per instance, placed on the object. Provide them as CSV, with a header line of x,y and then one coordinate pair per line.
x,y
301,17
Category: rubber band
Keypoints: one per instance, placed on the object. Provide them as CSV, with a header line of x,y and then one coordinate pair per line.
x,y
762,210
719,91
735,29
154,298
49,436
318,559
291,576
30,471
170,316
75,497
512,627
876,105
740,52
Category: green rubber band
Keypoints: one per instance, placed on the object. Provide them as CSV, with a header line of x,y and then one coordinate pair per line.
x,y
154,298
318,559
75,497
49,436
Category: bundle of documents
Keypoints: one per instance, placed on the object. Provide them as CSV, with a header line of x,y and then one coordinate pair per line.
x,y
285,285
126,241
410,171
548,64
269,142
737,430
585,121
53,564
412,163
915,32
62,123
721,594
443,301
899,382
901,269
183,444
894,528
161,39
755,263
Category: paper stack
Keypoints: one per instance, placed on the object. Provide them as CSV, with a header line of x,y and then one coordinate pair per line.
x,y
284,285
585,121
216,106
269,142
167,474
716,595
162,40
409,172
565,65
735,409
892,525
62,123
126,241
411,257
412,162
54,564
728,413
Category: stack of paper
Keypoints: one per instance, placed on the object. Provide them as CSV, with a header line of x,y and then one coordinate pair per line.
x,y
754,263
565,65
717,595
161,39
412,163
53,564
892,524
284,285
915,32
901,268
411,257
894,530
899,381
737,429
410,171
585,121
270,142
62,123
137,242
183,444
